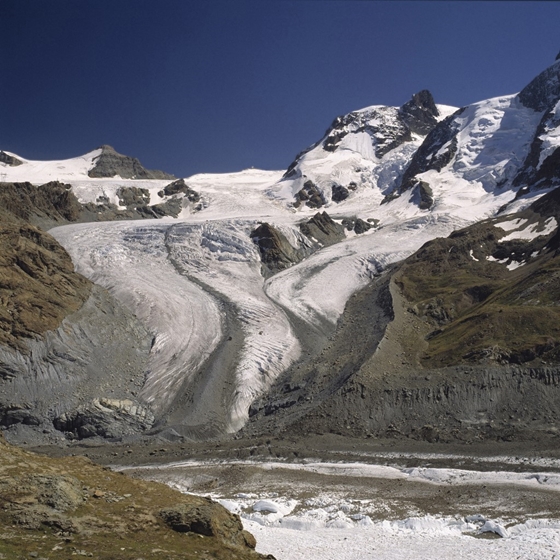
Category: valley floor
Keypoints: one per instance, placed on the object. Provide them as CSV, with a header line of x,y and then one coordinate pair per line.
x,y
330,497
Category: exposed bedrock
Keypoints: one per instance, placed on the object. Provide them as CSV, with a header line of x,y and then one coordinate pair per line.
x,y
323,230
110,163
9,160
99,352
276,252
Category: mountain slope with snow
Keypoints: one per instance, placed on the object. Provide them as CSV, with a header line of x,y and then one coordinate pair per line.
x,y
223,333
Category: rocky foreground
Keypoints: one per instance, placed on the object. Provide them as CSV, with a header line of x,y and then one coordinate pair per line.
x,y
58,508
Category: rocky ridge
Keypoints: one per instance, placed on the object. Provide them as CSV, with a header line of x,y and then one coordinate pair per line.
x,y
110,163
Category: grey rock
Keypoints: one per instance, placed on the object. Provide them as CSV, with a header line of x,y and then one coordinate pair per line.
x,y
276,251
178,187
429,155
109,418
309,195
9,160
420,113
544,91
323,230
361,226
70,367
110,163
339,193
133,196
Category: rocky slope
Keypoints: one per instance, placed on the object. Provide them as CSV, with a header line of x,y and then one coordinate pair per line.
x,y
460,342
71,507
61,338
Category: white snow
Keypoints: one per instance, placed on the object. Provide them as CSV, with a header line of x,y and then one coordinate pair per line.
x,y
528,234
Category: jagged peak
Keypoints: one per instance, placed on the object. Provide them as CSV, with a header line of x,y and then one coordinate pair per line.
x,y
106,148
420,112
422,100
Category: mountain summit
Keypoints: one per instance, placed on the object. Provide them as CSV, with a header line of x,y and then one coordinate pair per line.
x,y
109,163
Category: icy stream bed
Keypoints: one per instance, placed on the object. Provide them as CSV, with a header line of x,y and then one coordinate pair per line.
x,y
352,511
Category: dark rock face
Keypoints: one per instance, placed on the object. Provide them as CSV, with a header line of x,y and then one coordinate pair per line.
x,y
361,226
47,204
18,414
323,229
111,163
532,176
544,91
109,418
276,251
426,157
339,193
425,194
179,186
9,160
358,225
420,113
137,201
310,195
133,196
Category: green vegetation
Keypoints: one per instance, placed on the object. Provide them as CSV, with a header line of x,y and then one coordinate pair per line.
x,y
480,310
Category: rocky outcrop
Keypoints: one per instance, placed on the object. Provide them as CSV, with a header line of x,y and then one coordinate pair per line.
x,y
420,113
210,519
180,187
430,154
544,91
339,193
108,418
76,508
425,195
535,173
309,195
359,226
9,160
277,253
131,197
110,164
44,206
322,230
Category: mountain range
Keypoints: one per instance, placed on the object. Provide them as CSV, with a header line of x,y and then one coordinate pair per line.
x,y
400,279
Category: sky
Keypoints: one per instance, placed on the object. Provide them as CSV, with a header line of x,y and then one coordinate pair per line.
x,y
191,86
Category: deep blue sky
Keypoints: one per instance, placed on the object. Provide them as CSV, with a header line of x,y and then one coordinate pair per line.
x,y
213,86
